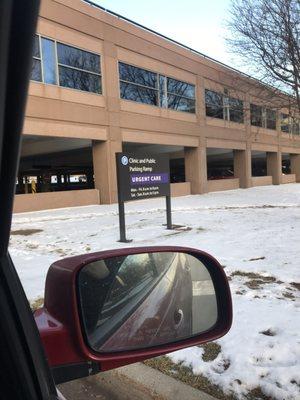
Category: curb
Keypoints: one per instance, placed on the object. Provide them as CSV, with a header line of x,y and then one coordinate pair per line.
x,y
158,385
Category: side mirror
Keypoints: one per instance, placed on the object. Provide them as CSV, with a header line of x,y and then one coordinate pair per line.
x,y
112,308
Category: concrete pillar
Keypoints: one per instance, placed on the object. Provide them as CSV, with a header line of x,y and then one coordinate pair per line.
x,y
242,167
104,160
274,166
196,168
104,153
295,165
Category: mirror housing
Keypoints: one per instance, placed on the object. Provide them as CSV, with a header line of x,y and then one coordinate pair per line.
x,y
62,330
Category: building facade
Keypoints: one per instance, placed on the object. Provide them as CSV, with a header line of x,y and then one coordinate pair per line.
x,y
101,84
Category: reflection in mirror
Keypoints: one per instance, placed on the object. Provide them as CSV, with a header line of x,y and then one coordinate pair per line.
x,y
143,300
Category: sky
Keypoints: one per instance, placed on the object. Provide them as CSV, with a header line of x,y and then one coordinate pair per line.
x,y
200,24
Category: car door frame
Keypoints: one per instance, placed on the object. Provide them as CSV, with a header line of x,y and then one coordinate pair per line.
x,y
26,372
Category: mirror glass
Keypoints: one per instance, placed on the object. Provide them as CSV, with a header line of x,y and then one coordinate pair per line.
x,y
143,300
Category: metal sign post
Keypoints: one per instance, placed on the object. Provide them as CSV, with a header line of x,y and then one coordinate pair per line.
x,y
169,212
142,176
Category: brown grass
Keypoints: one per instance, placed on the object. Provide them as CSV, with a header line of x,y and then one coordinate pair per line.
x,y
26,232
37,303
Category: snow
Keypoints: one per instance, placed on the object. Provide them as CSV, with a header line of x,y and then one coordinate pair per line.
x,y
254,230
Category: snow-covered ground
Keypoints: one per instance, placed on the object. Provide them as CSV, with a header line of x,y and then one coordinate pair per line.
x,y
255,230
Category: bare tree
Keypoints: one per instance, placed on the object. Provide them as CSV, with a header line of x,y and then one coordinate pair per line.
x,y
266,35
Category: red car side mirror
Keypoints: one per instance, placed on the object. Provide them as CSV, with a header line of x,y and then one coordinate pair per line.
x,y
112,308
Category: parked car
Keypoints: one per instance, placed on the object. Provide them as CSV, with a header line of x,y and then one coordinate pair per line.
x,y
159,304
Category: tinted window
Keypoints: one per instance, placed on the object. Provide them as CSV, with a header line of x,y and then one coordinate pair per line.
x,y
285,123
139,76
295,127
36,70
214,104
256,115
270,119
236,112
181,103
49,61
77,58
138,93
36,47
76,79
180,88
163,98
138,84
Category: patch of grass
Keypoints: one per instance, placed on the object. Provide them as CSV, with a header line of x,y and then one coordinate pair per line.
x,y
257,258
211,351
288,295
251,275
185,374
60,252
200,229
173,233
256,279
258,394
268,332
296,285
32,246
254,283
200,382
26,232
37,303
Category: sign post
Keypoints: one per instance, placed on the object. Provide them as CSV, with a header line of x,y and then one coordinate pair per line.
x,y
140,177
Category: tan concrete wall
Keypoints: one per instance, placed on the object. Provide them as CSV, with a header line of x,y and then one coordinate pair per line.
x,y
77,23
51,200
261,180
180,189
290,178
216,185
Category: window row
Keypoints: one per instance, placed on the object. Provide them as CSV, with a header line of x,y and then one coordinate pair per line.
x,y
221,106
290,124
60,64
148,87
263,117
63,65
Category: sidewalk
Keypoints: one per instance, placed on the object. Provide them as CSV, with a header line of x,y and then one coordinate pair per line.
x,y
133,382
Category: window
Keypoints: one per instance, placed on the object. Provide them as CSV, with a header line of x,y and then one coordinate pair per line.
x,y
270,119
295,127
285,123
49,61
59,64
223,107
263,117
289,124
138,84
236,110
214,104
180,95
256,115
148,87
36,68
78,69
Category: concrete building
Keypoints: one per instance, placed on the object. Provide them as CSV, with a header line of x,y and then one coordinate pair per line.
x,y
102,84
